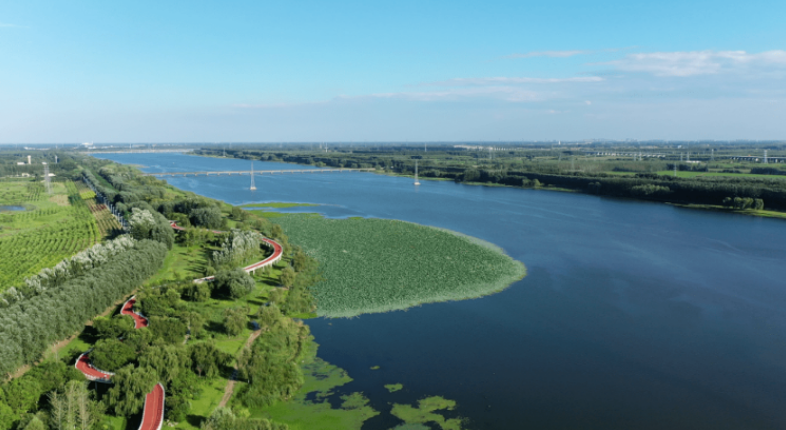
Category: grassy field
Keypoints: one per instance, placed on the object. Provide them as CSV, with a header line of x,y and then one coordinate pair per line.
x,y
375,265
53,227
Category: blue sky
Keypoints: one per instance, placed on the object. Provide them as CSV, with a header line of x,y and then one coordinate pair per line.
x,y
261,71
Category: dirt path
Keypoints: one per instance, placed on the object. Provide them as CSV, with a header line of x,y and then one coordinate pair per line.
x,y
230,388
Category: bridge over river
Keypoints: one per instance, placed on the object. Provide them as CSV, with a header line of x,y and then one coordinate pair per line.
x,y
257,172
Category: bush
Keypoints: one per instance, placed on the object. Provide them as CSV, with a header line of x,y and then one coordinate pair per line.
x,y
234,283
111,354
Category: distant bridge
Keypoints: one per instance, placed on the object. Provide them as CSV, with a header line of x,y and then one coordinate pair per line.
x,y
257,172
625,154
136,151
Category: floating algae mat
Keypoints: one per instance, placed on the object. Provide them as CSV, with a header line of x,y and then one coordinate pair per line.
x,y
376,265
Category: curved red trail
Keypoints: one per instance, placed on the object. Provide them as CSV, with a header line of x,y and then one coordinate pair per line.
x,y
83,365
153,415
128,309
278,251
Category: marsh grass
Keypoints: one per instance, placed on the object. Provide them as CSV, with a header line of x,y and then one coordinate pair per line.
x,y
375,265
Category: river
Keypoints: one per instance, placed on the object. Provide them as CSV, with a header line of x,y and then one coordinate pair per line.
x,y
633,314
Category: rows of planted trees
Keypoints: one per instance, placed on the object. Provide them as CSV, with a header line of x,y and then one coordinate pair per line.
x,y
54,226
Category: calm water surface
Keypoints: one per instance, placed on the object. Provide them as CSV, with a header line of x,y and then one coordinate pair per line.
x,y
633,315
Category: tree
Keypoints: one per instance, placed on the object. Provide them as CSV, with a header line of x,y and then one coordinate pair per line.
x,y
239,214
206,359
208,217
170,330
113,327
7,417
111,354
74,408
235,320
198,292
234,283
131,386
287,277
169,362
35,424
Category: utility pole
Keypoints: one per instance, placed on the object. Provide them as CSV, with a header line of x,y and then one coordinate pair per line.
x,y
765,156
253,186
46,179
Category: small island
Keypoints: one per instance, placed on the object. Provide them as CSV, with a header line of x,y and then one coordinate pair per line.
x,y
375,265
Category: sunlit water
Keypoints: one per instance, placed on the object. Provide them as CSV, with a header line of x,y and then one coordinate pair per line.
x,y
633,315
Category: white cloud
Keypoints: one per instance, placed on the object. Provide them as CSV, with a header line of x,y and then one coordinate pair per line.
x,y
551,54
507,93
698,62
511,80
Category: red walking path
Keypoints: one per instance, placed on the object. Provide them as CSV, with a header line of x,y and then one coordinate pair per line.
x,y
128,309
83,365
278,252
153,413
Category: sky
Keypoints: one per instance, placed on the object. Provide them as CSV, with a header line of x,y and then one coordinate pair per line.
x,y
343,71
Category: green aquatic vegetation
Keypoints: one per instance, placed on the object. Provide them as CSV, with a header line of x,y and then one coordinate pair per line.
x,y
278,205
376,265
300,414
424,413
394,387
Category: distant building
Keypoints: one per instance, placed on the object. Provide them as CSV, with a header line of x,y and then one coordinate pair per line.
x,y
20,163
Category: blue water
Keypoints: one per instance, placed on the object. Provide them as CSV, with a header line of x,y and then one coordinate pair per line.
x,y
12,208
633,315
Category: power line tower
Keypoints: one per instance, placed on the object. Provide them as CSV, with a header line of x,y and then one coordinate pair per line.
x,y
765,156
46,179
253,186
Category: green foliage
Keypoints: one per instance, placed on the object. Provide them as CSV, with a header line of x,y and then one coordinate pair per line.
x,y
131,385
113,327
287,277
170,330
151,225
111,354
374,265
235,283
208,217
272,366
394,387
33,240
238,214
198,292
31,325
224,419
207,360
235,320
169,362
159,301
425,412
74,408
354,401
